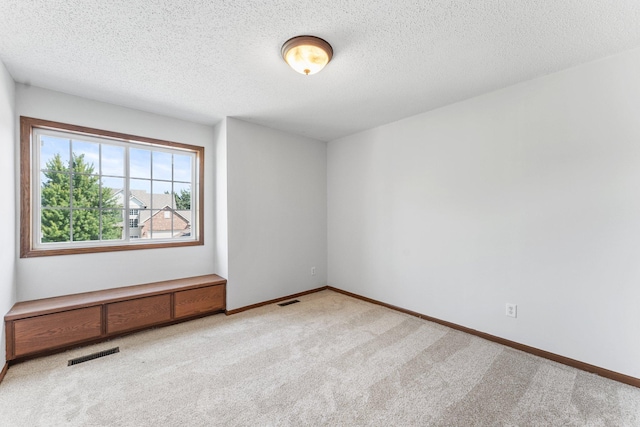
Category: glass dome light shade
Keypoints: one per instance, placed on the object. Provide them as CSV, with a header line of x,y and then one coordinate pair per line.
x,y
307,54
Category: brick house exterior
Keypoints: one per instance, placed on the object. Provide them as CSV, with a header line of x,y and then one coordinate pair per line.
x,y
166,223
163,222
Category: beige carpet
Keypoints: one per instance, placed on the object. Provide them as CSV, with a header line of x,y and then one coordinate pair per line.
x,y
328,360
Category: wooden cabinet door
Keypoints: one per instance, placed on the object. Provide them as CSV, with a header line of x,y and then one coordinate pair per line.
x,y
56,330
138,313
196,301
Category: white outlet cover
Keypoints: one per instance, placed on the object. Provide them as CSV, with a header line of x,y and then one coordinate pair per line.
x,y
512,310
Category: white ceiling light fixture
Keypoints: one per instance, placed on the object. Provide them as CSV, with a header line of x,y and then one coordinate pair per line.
x,y
307,54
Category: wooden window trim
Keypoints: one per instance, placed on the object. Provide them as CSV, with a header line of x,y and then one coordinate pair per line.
x,y
27,124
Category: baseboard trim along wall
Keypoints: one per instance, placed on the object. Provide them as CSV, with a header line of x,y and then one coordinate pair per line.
x,y
4,371
616,376
272,301
626,379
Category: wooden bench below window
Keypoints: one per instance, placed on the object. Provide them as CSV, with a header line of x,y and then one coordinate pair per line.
x,y
51,324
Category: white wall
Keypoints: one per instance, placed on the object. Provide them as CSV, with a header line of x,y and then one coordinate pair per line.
x,y
57,275
8,194
265,194
221,230
528,195
277,217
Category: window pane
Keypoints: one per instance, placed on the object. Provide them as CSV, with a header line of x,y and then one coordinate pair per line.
x,y
55,225
112,193
162,165
143,185
144,224
181,224
112,160
85,224
182,196
86,191
140,194
86,157
112,224
140,163
161,196
52,148
161,224
54,189
182,168
151,227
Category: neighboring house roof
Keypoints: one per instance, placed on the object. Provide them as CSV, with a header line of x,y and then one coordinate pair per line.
x,y
161,202
139,203
184,214
144,215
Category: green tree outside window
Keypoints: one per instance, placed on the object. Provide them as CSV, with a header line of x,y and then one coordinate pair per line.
x,y
62,220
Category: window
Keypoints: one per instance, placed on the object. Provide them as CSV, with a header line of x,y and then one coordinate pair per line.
x,y
78,184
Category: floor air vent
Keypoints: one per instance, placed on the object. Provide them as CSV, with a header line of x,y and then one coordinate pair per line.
x,y
288,303
93,356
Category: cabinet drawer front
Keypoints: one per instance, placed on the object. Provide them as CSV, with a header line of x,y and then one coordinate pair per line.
x,y
138,313
201,300
56,330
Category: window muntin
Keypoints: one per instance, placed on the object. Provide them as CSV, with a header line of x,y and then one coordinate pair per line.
x,y
82,182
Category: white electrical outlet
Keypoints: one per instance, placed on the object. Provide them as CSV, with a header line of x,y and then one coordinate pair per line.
x,y
512,310
313,271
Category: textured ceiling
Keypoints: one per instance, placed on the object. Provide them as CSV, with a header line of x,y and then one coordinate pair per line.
x,y
202,60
